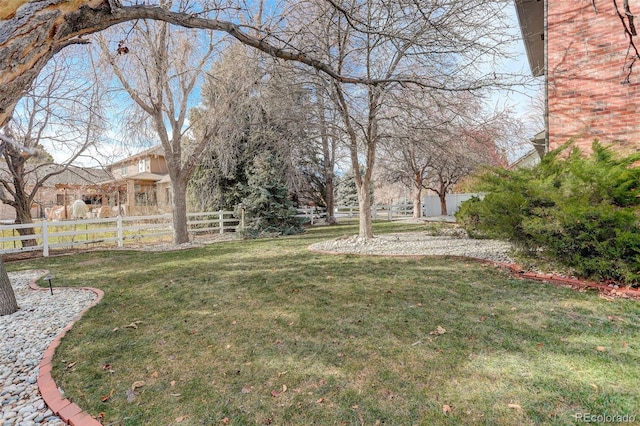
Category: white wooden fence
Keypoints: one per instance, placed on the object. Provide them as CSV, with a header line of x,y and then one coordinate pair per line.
x,y
378,211
117,230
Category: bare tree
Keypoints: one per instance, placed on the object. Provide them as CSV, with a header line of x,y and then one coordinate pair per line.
x,y
159,67
57,112
398,46
470,146
432,141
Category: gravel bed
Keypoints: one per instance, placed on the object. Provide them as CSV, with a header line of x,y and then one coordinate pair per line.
x,y
454,242
24,336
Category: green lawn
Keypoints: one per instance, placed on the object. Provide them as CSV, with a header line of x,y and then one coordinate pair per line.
x,y
266,332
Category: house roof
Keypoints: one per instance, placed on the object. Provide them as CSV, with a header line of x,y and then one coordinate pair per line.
x,y
144,176
531,18
73,175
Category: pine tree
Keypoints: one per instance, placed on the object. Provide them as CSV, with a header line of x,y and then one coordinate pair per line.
x,y
268,207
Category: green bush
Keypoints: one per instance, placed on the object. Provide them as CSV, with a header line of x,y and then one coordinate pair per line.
x,y
580,211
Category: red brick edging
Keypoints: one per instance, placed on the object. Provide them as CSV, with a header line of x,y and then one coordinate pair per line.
x,y
566,281
62,407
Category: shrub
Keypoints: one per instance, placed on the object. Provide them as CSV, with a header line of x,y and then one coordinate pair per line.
x,y
580,211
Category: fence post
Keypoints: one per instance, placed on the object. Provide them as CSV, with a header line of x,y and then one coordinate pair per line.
x,y
390,212
221,221
45,239
120,231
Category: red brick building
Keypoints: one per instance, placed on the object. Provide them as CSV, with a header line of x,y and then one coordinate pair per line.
x,y
581,49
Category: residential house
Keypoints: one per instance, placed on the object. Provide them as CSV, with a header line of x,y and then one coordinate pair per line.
x,y
146,179
580,48
137,185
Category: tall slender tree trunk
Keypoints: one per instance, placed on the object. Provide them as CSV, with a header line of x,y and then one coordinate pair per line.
x,y
8,303
329,198
417,203
364,203
443,203
417,195
180,228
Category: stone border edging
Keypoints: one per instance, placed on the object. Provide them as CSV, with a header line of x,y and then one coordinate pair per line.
x,y
69,412
518,271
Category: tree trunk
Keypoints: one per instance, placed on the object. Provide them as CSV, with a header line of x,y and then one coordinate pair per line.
x,y
364,204
8,303
417,196
23,215
443,203
417,203
329,198
180,229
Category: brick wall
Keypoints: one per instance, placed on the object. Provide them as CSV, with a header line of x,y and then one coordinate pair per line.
x,y
586,58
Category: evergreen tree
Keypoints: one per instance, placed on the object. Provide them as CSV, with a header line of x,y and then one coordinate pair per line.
x,y
347,191
267,204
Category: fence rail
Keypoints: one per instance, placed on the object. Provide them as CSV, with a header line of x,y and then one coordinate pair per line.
x,y
122,229
118,230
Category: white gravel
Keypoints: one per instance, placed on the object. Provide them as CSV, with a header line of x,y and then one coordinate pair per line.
x,y
454,242
24,336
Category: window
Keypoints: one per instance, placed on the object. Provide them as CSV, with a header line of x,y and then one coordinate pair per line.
x,y
123,170
142,166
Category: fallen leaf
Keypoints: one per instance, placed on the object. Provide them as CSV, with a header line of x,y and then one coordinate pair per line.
x,y
106,367
275,393
105,398
137,385
181,419
514,406
172,383
438,331
115,329
625,344
155,374
446,409
601,349
132,325
483,318
225,421
233,322
101,416
175,394
320,401
267,421
284,388
245,389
